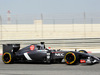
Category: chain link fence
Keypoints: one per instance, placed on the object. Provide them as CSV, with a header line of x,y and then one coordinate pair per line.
x,y
72,22
68,18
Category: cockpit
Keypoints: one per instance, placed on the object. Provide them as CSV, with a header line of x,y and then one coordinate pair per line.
x,y
38,47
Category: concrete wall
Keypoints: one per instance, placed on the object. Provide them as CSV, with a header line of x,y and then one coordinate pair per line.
x,y
39,30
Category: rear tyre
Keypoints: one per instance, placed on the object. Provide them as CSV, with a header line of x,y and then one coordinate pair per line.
x,y
83,51
7,58
70,58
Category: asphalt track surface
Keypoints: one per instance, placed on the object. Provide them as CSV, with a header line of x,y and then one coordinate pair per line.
x,y
48,69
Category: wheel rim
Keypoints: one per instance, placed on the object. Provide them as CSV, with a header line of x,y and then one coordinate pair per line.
x,y
70,58
82,51
6,57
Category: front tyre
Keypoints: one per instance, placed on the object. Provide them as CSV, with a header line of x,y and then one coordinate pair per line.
x,y
70,58
83,51
7,58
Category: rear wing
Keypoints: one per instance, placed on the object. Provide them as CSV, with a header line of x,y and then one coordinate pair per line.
x,y
11,48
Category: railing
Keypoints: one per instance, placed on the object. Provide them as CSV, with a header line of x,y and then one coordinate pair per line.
x,y
77,43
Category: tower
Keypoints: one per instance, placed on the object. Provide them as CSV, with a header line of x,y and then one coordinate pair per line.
x,y
8,17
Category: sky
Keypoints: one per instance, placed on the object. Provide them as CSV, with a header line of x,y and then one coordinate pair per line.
x,y
23,7
49,6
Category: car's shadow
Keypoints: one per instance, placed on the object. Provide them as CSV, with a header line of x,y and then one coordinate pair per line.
x,y
44,63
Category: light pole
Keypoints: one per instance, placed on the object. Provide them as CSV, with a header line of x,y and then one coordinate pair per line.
x,y
16,24
42,24
91,25
84,24
1,26
73,24
54,25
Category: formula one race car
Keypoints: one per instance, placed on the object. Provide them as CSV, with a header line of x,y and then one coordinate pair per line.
x,y
38,53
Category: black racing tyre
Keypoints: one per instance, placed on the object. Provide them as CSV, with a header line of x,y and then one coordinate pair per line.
x,y
7,58
70,58
83,51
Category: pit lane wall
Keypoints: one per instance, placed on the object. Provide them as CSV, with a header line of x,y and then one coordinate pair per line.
x,y
92,45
